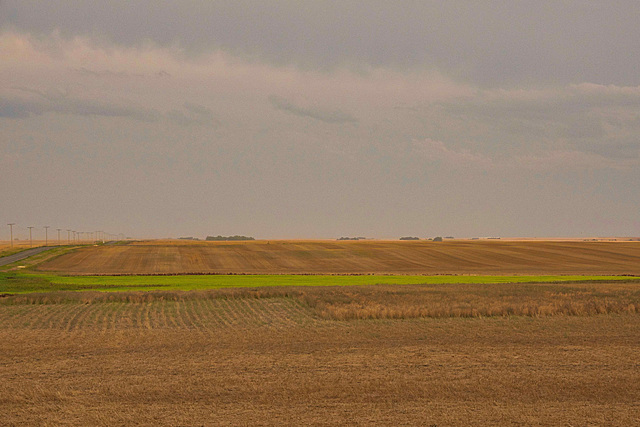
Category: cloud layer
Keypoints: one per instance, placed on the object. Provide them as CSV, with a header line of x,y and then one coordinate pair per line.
x,y
207,117
327,116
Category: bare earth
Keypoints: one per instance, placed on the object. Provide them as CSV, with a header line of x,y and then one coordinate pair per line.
x,y
434,355
273,362
392,257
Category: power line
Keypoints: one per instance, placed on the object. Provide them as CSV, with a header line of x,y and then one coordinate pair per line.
x,y
30,239
11,228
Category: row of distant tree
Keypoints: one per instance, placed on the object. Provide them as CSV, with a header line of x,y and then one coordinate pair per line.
x,y
228,238
435,239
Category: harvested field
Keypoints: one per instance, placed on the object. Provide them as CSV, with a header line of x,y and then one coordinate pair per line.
x,y
347,303
361,257
267,357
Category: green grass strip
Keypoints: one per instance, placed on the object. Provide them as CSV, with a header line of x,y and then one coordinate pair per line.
x,y
26,283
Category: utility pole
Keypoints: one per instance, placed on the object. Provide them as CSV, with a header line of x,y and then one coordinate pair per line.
x,y
59,235
30,239
46,235
11,228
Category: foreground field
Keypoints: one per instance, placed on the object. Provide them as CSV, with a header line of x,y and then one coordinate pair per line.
x,y
362,257
283,356
541,349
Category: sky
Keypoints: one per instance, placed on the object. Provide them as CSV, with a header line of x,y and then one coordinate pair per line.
x,y
320,119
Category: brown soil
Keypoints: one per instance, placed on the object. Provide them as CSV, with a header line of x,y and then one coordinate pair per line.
x,y
243,360
392,257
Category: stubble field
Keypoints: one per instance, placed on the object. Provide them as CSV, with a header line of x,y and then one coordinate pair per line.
x,y
362,257
244,358
416,354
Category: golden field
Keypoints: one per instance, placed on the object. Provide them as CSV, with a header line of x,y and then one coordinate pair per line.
x,y
433,354
359,257
279,356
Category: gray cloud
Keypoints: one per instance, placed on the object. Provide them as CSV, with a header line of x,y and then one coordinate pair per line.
x,y
19,109
509,112
16,108
106,73
192,114
581,117
118,74
60,102
480,41
327,116
51,95
198,110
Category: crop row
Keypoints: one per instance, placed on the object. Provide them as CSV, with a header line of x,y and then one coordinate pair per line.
x,y
199,313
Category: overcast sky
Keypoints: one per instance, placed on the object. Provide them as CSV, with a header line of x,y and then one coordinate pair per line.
x,y
320,119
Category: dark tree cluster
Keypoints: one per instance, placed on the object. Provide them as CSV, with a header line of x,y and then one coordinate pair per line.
x,y
228,238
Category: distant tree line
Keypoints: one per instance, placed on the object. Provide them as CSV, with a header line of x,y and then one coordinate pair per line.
x,y
435,239
228,238
188,238
352,238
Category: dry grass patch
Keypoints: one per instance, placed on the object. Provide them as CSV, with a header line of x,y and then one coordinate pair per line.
x,y
485,300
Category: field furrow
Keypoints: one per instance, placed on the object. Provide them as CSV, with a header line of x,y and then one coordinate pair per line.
x,y
195,314
80,318
182,312
50,317
216,312
11,316
362,257
201,317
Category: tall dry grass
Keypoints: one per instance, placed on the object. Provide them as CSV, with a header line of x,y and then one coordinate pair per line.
x,y
486,300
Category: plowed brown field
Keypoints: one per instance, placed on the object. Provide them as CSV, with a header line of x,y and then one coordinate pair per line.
x,y
327,257
198,360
